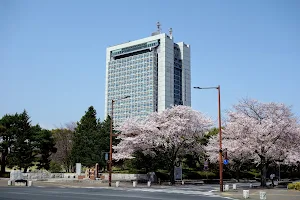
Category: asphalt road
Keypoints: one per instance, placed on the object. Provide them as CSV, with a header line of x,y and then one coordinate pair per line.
x,y
50,193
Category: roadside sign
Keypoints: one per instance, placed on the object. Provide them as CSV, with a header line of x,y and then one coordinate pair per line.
x,y
206,165
178,173
106,156
226,162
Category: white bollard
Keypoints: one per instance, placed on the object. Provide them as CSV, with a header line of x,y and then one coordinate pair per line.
x,y
182,182
262,195
251,185
134,183
9,183
117,183
149,184
246,194
29,184
234,186
226,188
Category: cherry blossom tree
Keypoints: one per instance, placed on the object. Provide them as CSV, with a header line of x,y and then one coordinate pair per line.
x,y
264,131
173,132
237,154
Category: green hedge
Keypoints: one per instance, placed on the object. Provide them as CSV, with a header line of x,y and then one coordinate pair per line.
x,y
187,174
295,186
5,175
55,167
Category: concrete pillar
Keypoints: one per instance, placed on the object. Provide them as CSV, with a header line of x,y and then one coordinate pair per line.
x,y
78,169
117,183
226,188
134,183
262,195
234,186
246,194
29,183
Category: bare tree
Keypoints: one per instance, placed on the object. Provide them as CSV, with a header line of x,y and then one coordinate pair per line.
x,y
64,142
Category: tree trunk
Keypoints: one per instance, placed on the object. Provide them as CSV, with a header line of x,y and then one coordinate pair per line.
x,y
3,162
263,179
238,174
172,178
25,169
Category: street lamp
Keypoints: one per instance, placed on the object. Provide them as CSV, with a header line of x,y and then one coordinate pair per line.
x,y
111,136
220,133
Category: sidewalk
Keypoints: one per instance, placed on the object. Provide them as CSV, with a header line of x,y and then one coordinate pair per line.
x,y
273,194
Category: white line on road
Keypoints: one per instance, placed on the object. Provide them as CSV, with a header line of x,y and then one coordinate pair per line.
x,y
59,193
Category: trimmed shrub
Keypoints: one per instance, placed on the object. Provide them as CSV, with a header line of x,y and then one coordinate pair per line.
x,y
295,186
5,175
55,167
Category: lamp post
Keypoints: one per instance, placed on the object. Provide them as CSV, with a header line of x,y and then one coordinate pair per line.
x,y
111,136
220,133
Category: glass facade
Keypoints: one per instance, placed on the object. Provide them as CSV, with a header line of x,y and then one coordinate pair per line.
x,y
132,70
177,76
134,75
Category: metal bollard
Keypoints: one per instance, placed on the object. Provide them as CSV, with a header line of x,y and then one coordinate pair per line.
x,y
246,194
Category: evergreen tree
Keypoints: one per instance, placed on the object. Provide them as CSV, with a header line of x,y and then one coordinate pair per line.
x,y
7,136
24,145
86,141
46,146
104,140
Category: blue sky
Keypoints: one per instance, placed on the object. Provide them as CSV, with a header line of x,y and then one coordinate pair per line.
x,y
52,53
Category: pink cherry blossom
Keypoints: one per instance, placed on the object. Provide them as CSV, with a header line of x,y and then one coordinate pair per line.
x,y
174,132
263,132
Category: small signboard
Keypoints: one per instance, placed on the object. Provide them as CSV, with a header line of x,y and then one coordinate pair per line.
x,y
178,173
206,165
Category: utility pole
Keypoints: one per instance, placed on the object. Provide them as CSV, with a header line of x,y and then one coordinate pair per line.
x,y
220,133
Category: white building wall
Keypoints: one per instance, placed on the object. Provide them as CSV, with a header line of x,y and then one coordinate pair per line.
x,y
165,73
186,73
106,83
165,70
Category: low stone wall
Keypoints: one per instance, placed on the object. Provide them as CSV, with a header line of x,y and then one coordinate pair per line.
x,y
46,175
127,177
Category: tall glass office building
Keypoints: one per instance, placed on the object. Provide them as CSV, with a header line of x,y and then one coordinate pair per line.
x,y
154,72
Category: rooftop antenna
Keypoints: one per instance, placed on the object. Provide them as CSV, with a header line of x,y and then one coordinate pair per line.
x,y
158,27
170,32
